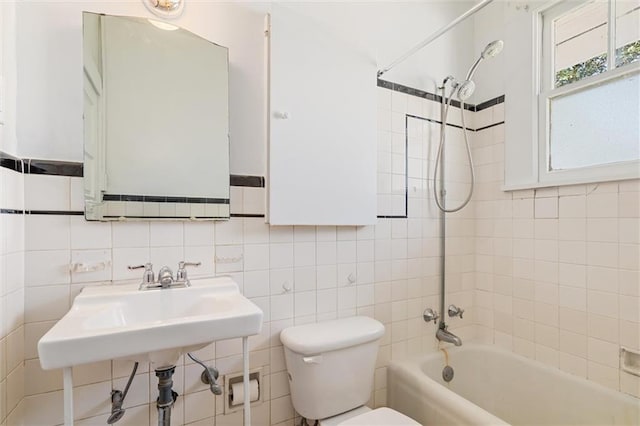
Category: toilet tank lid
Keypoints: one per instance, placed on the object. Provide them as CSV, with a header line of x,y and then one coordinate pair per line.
x,y
313,339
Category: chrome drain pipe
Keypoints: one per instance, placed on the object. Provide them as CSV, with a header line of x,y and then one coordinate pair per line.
x,y
166,395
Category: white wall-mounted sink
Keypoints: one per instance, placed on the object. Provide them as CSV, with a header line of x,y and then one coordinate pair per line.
x,y
120,321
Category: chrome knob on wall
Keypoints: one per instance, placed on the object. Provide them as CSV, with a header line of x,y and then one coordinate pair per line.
x,y
430,315
454,311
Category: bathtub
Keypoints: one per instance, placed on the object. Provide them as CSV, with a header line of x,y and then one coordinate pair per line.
x,y
495,387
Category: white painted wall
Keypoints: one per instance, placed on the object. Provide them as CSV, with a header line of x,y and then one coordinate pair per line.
x,y
50,74
50,61
489,26
8,77
387,30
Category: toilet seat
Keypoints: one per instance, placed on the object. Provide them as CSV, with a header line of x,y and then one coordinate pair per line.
x,y
380,417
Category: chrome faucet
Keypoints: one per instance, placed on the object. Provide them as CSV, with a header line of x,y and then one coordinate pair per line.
x,y
442,334
445,336
165,276
181,273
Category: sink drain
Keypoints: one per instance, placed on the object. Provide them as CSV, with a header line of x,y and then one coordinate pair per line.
x,y
447,373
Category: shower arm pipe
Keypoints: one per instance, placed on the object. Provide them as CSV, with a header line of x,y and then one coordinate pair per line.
x,y
435,35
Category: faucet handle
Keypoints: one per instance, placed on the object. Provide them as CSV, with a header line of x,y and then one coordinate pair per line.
x,y
430,315
454,311
148,277
181,273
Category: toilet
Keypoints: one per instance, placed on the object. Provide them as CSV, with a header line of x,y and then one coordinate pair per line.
x,y
331,366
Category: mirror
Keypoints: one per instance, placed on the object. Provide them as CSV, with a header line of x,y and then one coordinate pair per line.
x,y
156,121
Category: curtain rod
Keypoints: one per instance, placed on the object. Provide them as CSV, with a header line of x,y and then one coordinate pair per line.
x,y
435,35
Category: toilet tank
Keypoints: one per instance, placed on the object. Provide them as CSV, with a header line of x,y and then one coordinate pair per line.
x,y
331,364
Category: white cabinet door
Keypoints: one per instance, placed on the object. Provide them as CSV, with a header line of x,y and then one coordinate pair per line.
x,y
322,125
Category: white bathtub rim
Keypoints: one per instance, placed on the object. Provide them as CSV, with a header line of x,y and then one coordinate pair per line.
x,y
414,364
443,397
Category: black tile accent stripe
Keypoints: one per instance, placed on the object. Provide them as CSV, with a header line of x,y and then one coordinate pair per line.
x,y
160,199
490,103
10,162
164,217
437,98
391,217
246,215
420,93
489,126
42,212
75,169
54,168
455,125
247,181
56,212
431,120
11,211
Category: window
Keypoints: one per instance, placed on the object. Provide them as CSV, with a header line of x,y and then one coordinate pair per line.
x,y
589,91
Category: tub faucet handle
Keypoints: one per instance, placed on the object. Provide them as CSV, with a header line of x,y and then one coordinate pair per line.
x,y
430,315
454,311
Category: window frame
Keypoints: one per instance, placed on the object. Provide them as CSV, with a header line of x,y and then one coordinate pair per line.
x,y
546,92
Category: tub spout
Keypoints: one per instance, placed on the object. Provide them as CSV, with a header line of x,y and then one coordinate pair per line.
x,y
445,336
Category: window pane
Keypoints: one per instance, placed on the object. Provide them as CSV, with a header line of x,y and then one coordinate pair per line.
x,y
627,32
580,43
597,125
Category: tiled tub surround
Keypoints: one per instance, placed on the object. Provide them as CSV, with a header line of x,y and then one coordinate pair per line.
x,y
11,294
495,387
557,269
396,265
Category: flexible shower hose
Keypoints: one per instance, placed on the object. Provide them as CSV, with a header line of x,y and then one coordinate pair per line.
x,y
439,158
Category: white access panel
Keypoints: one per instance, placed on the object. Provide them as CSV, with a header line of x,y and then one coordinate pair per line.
x,y
321,126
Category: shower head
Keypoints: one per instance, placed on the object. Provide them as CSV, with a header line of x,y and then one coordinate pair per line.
x,y
466,89
492,49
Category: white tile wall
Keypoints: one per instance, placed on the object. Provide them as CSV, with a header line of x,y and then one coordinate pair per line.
x,y
12,299
295,274
574,276
551,274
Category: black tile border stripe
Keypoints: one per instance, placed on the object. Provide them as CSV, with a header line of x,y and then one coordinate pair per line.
x,y
455,125
437,98
55,212
75,169
54,168
11,211
490,103
421,94
162,217
431,120
247,181
489,126
43,212
10,162
161,199
79,213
